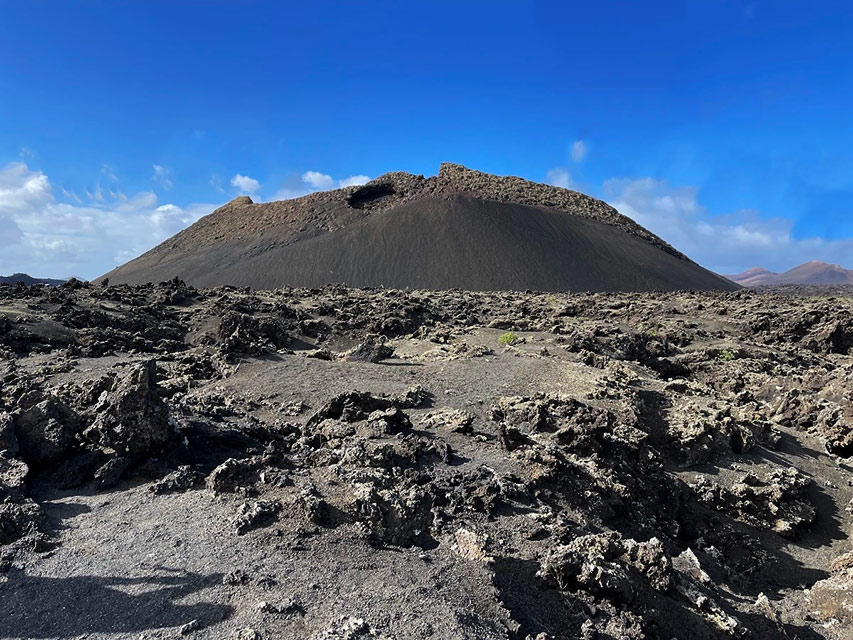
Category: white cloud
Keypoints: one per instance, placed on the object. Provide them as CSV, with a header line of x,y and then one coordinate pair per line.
x,y
728,243
322,182
21,188
109,172
312,181
10,232
97,195
353,181
245,184
71,195
162,176
117,194
318,180
559,177
579,151
287,192
44,237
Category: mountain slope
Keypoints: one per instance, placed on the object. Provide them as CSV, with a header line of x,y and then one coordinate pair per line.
x,y
814,272
462,229
28,280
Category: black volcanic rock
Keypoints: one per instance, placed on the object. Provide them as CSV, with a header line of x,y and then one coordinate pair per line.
x,y
627,465
459,229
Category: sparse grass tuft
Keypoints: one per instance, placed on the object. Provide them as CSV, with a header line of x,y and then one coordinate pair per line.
x,y
727,355
507,338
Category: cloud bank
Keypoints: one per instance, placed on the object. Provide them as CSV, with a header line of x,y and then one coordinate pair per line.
x,y
728,243
44,236
50,231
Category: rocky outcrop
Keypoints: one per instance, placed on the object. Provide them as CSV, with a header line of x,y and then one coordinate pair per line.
x,y
46,430
130,418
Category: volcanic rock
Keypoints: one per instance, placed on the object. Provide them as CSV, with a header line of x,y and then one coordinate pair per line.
x,y
674,457
131,419
253,515
46,431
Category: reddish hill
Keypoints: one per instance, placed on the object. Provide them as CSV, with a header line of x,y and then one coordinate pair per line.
x,y
814,272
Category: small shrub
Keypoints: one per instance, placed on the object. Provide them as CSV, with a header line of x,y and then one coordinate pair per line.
x,y
727,355
507,338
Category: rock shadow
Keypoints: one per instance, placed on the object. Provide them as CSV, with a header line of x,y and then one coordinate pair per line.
x,y
58,513
41,607
534,608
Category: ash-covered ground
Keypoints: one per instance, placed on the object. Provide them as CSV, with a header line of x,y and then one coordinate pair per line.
x,y
343,463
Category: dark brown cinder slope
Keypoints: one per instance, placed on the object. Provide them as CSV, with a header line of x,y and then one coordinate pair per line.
x,y
460,229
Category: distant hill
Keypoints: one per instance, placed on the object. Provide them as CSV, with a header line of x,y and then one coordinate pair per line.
x,y
460,229
814,272
15,278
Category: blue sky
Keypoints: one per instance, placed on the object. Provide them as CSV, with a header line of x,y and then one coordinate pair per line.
x,y
725,127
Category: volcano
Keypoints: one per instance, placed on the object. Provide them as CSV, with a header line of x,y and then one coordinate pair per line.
x,y
810,273
460,229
